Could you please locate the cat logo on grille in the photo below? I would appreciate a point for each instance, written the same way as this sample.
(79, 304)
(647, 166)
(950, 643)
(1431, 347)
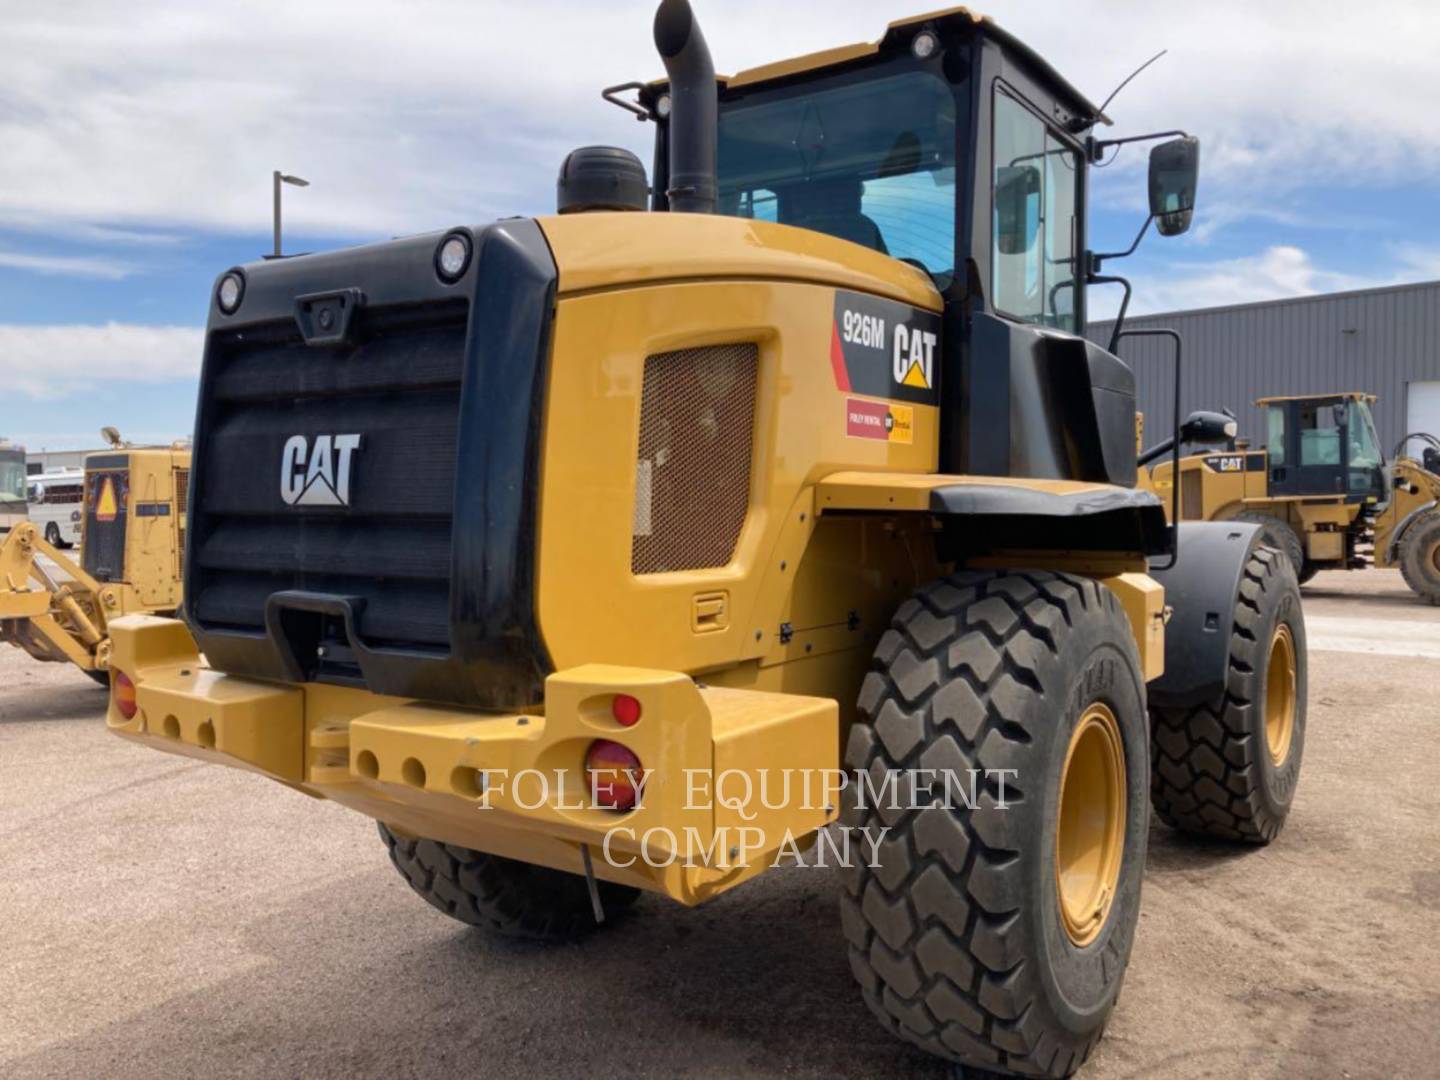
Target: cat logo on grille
(317, 475)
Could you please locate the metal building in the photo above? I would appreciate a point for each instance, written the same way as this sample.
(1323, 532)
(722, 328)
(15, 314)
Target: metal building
(1381, 341)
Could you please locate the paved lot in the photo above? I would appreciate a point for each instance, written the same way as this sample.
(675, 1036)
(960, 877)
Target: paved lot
(165, 918)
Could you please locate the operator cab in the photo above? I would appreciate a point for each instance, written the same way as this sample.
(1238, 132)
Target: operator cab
(951, 146)
(1324, 445)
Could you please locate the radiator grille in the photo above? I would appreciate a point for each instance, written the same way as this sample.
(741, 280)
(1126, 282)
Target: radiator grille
(182, 504)
(398, 383)
(692, 478)
(182, 491)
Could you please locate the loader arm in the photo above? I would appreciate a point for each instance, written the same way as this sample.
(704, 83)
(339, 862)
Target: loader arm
(52, 619)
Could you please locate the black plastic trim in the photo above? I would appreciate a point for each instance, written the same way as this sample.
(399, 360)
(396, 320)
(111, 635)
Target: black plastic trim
(996, 517)
(1201, 589)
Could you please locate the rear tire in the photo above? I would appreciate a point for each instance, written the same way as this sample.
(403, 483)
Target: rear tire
(512, 898)
(1420, 557)
(53, 537)
(1228, 768)
(1278, 535)
(969, 936)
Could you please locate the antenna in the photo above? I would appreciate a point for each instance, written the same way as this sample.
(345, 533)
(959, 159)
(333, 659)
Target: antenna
(1132, 75)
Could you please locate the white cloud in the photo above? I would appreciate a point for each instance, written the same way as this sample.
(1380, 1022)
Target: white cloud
(93, 266)
(413, 115)
(1279, 271)
(53, 361)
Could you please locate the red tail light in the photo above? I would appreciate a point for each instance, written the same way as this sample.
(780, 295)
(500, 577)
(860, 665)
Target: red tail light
(616, 775)
(122, 690)
(626, 710)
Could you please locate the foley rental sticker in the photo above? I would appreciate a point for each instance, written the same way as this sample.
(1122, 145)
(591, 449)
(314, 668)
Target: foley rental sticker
(885, 349)
(879, 420)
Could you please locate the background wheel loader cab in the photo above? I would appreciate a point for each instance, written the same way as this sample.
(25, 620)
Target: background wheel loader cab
(1321, 490)
(807, 466)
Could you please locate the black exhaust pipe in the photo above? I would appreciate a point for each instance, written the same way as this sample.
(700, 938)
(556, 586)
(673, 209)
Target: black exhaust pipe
(693, 108)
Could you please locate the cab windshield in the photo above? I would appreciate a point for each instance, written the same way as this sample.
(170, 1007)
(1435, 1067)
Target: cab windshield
(872, 162)
(1366, 461)
(12, 480)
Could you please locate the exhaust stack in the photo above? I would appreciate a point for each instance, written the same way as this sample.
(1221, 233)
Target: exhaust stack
(693, 108)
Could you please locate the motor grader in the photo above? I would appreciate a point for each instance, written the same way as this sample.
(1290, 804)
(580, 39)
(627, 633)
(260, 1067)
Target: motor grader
(133, 536)
(1321, 490)
(542, 541)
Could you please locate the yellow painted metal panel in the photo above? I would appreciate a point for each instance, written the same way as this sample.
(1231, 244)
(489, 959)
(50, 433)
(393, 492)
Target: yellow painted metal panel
(610, 250)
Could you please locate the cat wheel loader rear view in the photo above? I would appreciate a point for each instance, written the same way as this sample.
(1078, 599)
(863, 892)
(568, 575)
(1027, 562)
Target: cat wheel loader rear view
(1321, 490)
(133, 519)
(544, 542)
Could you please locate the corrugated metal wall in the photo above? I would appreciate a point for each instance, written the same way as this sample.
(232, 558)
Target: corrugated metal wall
(1375, 341)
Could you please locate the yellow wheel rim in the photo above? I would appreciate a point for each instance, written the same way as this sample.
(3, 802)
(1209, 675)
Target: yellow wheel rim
(1090, 836)
(1280, 695)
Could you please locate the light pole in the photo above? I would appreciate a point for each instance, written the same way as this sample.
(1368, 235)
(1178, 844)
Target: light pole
(278, 179)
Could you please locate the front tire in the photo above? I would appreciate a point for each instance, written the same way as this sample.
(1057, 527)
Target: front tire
(981, 933)
(1420, 557)
(1228, 767)
(508, 897)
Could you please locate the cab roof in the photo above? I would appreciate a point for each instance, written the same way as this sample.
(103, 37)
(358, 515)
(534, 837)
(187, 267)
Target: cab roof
(1358, 395)
(903, 29)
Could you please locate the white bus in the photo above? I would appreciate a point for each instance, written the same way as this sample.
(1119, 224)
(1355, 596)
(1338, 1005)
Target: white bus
(57, 505)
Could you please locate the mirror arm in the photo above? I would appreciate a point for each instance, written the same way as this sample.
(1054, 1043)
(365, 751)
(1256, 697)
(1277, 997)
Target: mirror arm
(1097, 259)
(1096, 147)
(1174, 439)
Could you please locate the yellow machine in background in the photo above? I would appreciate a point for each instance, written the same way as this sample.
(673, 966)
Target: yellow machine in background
(1322, 491)
(57, 609)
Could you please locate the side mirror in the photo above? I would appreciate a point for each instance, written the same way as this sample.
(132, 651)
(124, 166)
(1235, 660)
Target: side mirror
(1174, 174)
(1338, 412)
(1017, 208)
(1208, 428)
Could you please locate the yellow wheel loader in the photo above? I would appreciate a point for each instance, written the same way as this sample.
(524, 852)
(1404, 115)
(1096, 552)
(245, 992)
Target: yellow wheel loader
(1321, 490)
(629, 549)
(133, 535)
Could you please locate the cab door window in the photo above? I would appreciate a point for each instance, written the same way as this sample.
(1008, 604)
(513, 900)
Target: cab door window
(1320, 427)
(1275, 435)
(1034, 220)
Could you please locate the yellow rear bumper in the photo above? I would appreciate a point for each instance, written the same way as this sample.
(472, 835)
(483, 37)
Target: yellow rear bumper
(733, 779)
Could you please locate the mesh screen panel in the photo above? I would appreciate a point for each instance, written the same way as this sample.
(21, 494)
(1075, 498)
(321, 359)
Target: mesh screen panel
(692, 478)
(1191, 496)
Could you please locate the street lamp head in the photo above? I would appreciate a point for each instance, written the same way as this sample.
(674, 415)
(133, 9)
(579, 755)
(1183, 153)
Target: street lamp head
(296, 180)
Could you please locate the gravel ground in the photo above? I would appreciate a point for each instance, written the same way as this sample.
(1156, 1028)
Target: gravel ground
(168, 918)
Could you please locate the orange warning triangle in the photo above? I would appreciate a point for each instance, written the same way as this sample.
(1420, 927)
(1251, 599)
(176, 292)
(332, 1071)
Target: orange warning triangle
(106, 507)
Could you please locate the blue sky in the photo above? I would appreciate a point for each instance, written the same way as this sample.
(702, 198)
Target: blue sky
(140, 138)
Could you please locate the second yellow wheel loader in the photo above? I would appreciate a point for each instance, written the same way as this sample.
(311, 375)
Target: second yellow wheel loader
(1321, 489)
(133, 519)
(785, 471)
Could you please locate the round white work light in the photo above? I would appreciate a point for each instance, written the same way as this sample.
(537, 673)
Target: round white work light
(925, 45)
(662, 106)
(453, 257)
(229, 292)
